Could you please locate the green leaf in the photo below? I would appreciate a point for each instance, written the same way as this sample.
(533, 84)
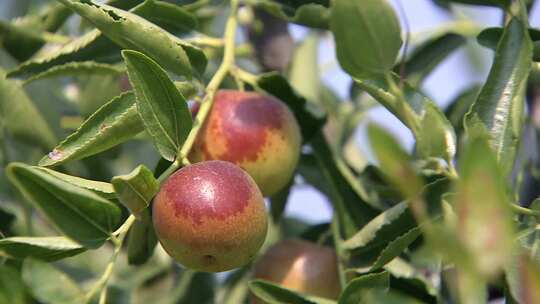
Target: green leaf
(392, 231)
(524, 255)
(372, 47)
(427, 56)
(141, 240)
(80, 214)
(497, 3)
(490, 37)
(136, 189)
(24, 36)
(94, 46)
(390, 222)
(169, 16)
(394, 162)
(460, 106)
(278, 202)
(434, 134)
(134, 32)
(274, 294)
(314, 15)
(20, 117)
(277, 85)
(77, 68)
(12, 289)
(357, 288)
(112, 124)
(162, 108)
(375, 236)
(49, 285)
(304, 71)
(484, 224)
(396, 247)
(499, 107)
(43, 248)
(103, 189)
(234, 288)
(90, 46)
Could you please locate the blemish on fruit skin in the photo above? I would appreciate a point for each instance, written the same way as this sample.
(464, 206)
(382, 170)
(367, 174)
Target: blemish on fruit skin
(214, 189)
(209, 259)
(56, 154)
(244, 123)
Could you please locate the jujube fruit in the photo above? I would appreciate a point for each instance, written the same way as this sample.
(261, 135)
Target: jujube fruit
(256, 132)
(210, 216)
(301, 266)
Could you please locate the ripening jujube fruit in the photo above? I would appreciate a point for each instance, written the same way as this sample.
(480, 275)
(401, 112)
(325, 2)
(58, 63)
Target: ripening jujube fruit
(301, 266)
(256, 132)
(210, 216)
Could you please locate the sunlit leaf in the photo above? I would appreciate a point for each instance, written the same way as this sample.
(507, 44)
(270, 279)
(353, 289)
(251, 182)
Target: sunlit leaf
(161, 107)
(80, 214)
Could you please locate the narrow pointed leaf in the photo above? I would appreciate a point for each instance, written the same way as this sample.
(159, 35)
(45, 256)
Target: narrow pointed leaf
(136, 189)
(391, 221)
(101, 188)
(24, 36)
(43, 248)
(50, 285)
(428, 56)
(114, 123)
(356, 289)
(434, 134)
(167, 15)
(484, 224)
(162, 108)
(497, 3)
(395, 162)
(80, 214)
(12, 289)
(314, 15)
(90, 46)
(304, 71)
(499, 107)
(275, 294)
(134, 32)
(372, 47)
(142, 240)
(77, 68)
(95, 46)
(20, 117)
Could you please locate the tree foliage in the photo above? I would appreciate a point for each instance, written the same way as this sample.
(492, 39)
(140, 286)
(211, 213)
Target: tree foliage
(95, 93)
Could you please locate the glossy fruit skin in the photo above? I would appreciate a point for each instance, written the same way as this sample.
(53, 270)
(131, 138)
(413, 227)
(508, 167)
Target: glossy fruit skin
(256, 132)
(210, 216)
(301, 266)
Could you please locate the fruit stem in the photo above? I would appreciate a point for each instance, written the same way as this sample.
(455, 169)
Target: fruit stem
(204, 40)
(206, 104)
(525, 211)
(117, 239)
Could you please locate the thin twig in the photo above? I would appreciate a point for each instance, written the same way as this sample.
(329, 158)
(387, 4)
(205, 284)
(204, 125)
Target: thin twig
(341, 258)
(206, 104)
(117, 238)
